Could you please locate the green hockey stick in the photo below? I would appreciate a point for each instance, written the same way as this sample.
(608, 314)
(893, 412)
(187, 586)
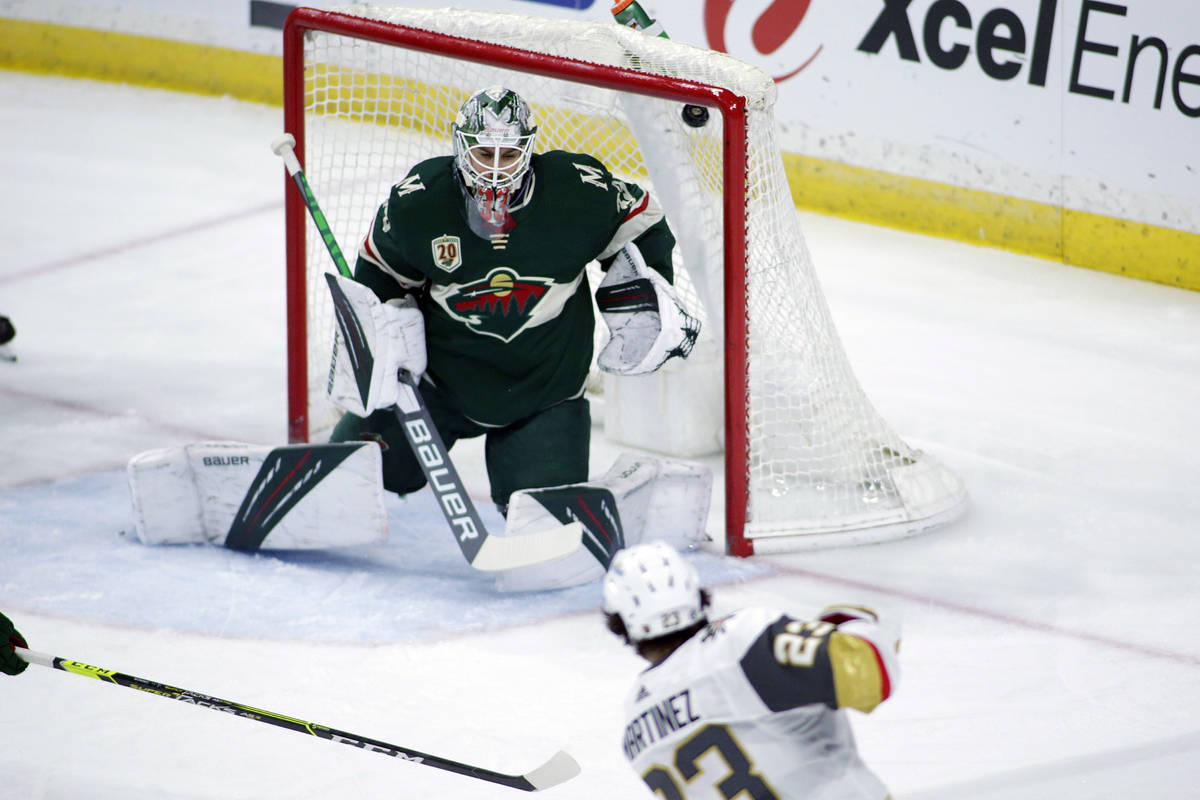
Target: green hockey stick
(559, 768)
(482, 550)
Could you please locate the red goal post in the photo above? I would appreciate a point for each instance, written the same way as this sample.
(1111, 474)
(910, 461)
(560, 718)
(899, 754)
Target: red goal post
(366, 82)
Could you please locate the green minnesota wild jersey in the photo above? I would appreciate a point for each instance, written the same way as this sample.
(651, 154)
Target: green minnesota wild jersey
(508, 320)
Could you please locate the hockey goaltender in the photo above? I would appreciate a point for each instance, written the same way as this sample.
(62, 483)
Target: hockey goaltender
(468, 314)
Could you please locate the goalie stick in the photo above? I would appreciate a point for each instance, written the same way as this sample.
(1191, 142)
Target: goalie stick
(558, 769)
(482, 550)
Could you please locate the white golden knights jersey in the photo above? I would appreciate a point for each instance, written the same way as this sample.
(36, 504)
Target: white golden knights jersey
(752, 708)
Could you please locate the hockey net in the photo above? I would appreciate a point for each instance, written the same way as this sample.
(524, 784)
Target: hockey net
(808, 461)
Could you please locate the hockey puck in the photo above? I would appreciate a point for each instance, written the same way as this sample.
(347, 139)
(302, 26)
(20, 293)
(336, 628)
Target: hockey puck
(7, 331)
(695, 116)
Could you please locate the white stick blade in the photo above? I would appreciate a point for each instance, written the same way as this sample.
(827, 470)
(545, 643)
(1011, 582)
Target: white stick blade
(559, 769)
(508, 552)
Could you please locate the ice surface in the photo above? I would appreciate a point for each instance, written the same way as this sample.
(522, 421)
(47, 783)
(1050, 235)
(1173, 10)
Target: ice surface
(1051, 645)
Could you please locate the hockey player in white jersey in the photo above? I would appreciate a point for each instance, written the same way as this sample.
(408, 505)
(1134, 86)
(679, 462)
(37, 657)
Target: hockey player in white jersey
(751, 705)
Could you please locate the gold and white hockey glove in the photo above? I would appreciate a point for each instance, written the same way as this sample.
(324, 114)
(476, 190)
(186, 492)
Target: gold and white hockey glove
(864, 622)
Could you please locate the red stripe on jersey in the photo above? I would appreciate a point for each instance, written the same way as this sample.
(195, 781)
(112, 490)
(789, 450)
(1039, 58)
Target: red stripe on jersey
(641, 207)
(371, 250)
(885, 680)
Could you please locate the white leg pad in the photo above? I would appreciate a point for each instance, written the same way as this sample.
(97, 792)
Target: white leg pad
(655, 498)
(166, 505)
(249, 496)
(661, 499)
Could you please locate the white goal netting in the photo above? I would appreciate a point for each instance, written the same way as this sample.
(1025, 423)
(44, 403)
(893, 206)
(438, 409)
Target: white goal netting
(819, 466)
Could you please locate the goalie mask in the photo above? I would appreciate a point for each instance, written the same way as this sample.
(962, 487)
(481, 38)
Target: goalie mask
(654, 591)
(493, 148)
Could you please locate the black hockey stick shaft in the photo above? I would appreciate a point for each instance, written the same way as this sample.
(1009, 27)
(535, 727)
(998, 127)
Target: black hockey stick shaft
(482, 550)
(443, 479)
(559, 768)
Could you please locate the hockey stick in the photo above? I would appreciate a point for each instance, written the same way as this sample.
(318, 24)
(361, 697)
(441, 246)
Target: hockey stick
(561, 767)
(482, 550)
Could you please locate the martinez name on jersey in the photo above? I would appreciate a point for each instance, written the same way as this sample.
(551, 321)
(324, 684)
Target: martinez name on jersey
(766, 692)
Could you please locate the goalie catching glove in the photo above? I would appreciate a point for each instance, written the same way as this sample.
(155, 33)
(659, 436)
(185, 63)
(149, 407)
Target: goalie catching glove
(374, 342)
(647, 324)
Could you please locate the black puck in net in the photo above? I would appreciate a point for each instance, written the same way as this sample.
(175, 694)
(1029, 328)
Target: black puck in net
(695, 116)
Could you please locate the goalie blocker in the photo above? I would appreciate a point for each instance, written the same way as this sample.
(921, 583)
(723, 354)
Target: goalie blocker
(375, 341)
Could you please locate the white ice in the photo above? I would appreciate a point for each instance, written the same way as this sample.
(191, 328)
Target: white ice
(1051, 643)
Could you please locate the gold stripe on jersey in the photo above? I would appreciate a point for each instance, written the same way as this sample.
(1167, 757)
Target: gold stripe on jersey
(858, 677)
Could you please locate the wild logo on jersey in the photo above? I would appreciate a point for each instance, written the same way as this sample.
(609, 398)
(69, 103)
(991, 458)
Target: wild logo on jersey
(500, 304)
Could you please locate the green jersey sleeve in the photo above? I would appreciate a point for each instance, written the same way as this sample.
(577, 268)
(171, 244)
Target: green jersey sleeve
(636, 217)
(383, 264)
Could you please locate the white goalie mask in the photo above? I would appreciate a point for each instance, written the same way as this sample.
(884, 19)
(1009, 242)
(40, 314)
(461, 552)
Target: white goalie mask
(654, 591)
(493, 149)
